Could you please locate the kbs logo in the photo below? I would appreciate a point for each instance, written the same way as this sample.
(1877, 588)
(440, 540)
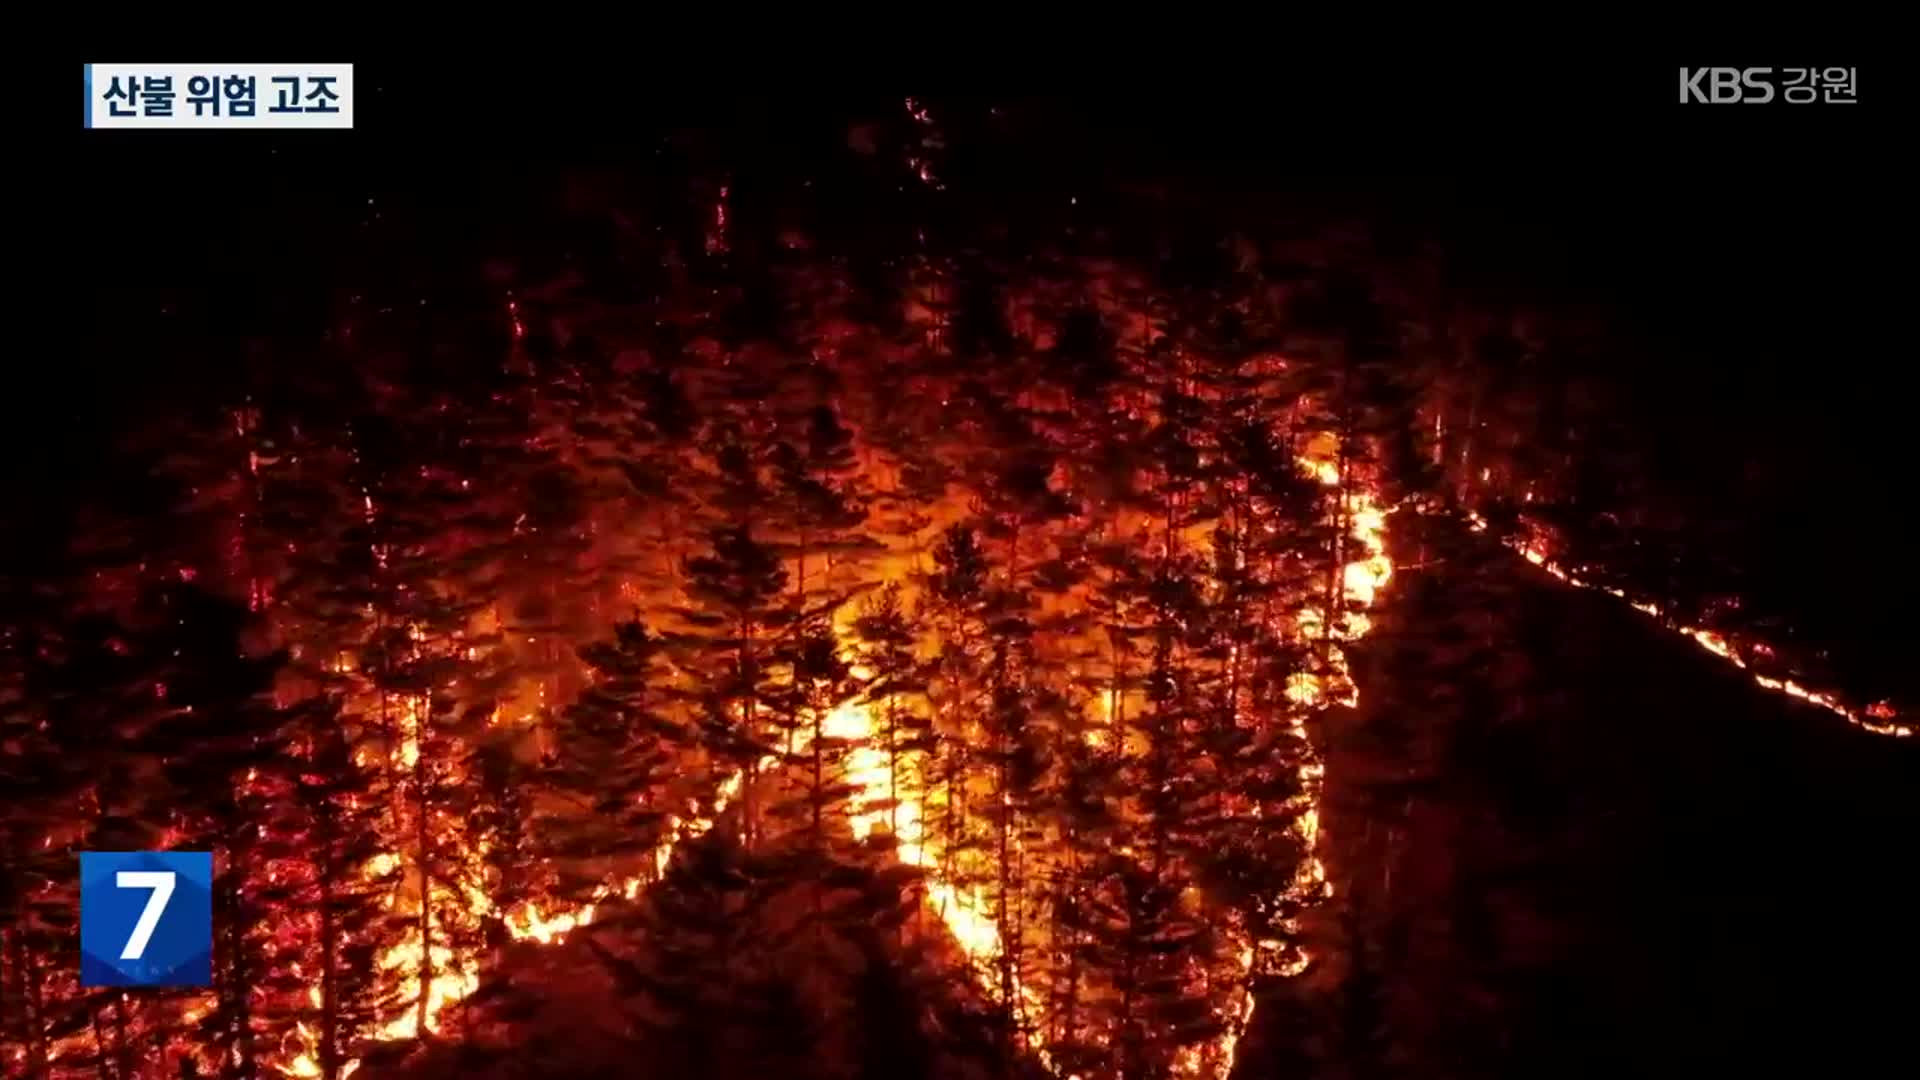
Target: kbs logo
(146, 918)
(1755, 86)
(1726, 86)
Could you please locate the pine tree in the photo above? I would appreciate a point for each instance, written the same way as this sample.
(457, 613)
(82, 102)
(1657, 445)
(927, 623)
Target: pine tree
(840, 896)
(893, 1045)
(956, 688)
(816, 489)
(513, 871)
(1168, 797)
(982, 672)
(1150, 955)
(1083, 357)
(979, 330)
(733, 633)
(422, 560)
(686, 960)
(1089, 830)
(616, 756)
(47, 770)
(888, 637)
(133, 732)
(820, 683)
(227, 729)
(1267, 575)
(324, 856)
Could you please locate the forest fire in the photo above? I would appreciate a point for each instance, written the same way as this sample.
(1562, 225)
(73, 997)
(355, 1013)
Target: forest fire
(857, 586)
(892, 796)
(1878, 718)
(1001, 684)
(775, 606)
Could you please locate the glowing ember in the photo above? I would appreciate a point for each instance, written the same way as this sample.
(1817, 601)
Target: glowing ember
(717, 229)
(919, 159)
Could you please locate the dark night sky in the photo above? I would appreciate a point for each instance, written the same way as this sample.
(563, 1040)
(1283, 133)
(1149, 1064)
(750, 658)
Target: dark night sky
(1736, 247)
(1739, 235)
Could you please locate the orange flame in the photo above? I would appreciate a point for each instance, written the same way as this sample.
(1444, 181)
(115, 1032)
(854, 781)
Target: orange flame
(1877, 718)
(1360, 582)
(966, 913)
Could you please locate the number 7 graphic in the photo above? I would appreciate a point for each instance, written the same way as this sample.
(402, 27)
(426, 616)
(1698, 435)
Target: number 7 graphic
(161, 882)
(146, 918)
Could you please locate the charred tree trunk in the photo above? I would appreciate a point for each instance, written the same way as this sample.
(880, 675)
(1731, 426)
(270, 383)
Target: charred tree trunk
(1066, 938)
(122, 1052)
(748, 718)
(1008, 959)
(423, 846)
(329, 957)
(239, 980)
(102, 1062)
(33, 1033)
(1130, 1034)
(819, 780)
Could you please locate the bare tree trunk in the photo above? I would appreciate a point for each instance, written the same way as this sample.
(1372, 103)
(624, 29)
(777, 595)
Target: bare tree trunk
(1237, 524)
(893, 771)
(102, 1062)
(1130, 1034)
(329, 1004)
(122, 1052)
(12, 1026)
(1007, 959)
(33, 1033)
(1068, 1027)
(423, 841)
(818, 799)
(748, 719)
(240, 983)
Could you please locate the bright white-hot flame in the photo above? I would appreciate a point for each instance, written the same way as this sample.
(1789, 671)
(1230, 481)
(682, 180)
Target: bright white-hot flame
(410, 732)
(450, 983)
(966, 914)
(531, 925)
(1361, 580)
(306, 1064)
(308, 1061)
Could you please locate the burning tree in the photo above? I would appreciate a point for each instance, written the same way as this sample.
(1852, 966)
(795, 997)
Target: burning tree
(815, 631)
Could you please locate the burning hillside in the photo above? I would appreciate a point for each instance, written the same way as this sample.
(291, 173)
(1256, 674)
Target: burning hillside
(773, 621)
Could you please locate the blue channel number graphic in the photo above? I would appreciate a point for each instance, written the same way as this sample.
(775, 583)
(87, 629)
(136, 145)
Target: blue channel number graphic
(146, 918)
